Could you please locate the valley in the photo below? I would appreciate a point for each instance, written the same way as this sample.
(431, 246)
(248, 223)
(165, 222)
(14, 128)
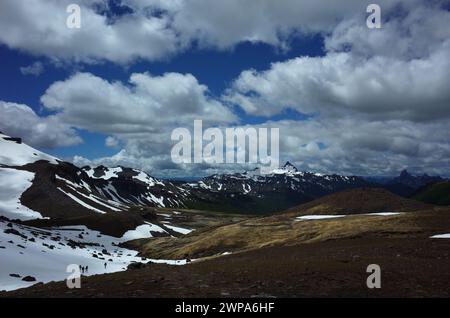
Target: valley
(286, 234)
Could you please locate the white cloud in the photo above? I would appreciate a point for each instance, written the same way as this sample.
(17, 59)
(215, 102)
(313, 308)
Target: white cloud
(157, 29)
(349, 147)
(19, 120)
(140, 113)
(352, 146)
(39, 27)
(223, 24)
(400, 71)
(380, 87)
(147, 104)
(417, 34)
(34, 69)
(111, 142)
(379, 97)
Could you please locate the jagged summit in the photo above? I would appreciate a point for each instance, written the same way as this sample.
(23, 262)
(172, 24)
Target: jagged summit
(404, 173)
(406, 183)
(290, 167)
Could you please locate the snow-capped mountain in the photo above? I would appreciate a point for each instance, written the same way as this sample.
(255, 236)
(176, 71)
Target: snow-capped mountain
(284, 187)
(36, 185)
(53, 214)
(15, 153)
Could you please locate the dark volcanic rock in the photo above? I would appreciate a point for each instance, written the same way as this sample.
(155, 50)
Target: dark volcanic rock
(15, 232)
(29, 279)
(134, 266)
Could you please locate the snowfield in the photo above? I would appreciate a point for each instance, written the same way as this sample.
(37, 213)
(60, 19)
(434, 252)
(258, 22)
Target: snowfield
(178, 229)
(318, 217)
(15, 154)
(324, 217)
(12, 184)
(445, 236)
(45, 254)
(142, 231)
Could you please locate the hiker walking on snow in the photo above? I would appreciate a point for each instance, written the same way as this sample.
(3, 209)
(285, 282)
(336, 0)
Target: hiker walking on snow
(105, 265)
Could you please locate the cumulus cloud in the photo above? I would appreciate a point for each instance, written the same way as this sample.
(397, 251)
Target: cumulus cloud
(39, 27)
(223, 24)
(378, 98)
(111, 142)
(412, 33)
(146, 104)
(155, 29)
(344, 146)
(399, 71)
(34, 69)
(140, 113)
(351, 146)
(19, 120)
(380, 87)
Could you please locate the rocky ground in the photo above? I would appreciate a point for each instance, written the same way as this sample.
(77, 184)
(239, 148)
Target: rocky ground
(336, 268)
(291, 254)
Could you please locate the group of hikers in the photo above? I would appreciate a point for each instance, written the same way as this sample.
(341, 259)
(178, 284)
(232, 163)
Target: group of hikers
(85, 269)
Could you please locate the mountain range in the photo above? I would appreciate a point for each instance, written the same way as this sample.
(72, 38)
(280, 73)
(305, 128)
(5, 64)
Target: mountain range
(50, 188)
(53, 213)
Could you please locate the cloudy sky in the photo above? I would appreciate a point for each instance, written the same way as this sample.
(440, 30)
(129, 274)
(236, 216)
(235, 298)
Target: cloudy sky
(347, 99)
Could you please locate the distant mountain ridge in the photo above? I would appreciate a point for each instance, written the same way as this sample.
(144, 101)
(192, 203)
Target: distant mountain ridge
(284, 187)
(406, 184)
(358, 201)
(60, 189)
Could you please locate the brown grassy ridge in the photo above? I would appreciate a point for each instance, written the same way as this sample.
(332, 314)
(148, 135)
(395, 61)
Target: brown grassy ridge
(357, 201)
(285, 230)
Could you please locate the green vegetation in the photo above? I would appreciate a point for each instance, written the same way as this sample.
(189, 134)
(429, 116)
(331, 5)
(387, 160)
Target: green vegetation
(436, 193)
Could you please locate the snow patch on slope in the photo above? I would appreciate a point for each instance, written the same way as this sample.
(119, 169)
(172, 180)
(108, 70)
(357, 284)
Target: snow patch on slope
(178, 229)
(19, 154)
(142, 231)
(319, 217)
(81, 202)
(45, 254)
(108, 173)
(445, 236)
(324, 217)
(12, 184)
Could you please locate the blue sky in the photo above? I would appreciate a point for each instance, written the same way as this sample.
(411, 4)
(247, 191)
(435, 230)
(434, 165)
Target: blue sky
(216, 69)
(347, 99)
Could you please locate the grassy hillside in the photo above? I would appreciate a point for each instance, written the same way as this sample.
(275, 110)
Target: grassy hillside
(358, 201)
(436, 193)
(286, 229)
